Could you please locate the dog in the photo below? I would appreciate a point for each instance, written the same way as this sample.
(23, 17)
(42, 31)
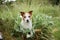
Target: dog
(26, 23)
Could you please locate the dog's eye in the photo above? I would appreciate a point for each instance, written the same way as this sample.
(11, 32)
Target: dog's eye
(29, 16)
(24, 16)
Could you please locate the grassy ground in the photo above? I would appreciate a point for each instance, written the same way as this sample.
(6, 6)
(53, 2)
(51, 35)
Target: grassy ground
(12, 12)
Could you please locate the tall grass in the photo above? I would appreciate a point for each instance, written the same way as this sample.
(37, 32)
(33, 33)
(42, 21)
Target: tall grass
(43, 14)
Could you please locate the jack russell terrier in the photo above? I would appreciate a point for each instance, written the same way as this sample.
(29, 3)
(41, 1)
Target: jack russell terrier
(26, 24)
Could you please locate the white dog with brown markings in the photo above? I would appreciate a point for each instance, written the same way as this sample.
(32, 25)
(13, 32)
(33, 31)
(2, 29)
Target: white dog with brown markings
(26, 23)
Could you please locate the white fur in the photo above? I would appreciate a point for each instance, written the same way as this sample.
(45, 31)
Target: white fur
(26, 25)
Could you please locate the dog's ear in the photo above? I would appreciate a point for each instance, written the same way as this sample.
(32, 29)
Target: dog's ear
(22, 13)
(30, 12)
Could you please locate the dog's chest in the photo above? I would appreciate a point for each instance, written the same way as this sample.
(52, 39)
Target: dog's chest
(26, 25)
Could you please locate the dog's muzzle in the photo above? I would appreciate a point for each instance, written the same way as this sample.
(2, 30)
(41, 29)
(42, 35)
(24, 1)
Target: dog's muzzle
(27, 21)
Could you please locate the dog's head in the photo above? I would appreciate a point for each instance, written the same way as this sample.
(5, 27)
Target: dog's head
(26, 16)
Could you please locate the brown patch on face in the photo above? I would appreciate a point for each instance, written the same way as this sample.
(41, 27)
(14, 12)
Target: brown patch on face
(30, 12)
(30, 16)
(24, 17)
(22, 13)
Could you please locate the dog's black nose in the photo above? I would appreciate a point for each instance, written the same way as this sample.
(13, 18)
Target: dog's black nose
(27, 20)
